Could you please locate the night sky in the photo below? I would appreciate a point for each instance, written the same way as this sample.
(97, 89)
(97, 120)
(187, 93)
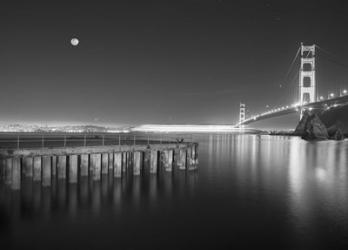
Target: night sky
(179, 62)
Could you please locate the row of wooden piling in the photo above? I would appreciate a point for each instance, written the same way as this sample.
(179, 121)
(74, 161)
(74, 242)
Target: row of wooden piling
(43, 167)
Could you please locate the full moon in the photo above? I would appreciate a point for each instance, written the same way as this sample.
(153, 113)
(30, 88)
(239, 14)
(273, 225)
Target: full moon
(74, 41)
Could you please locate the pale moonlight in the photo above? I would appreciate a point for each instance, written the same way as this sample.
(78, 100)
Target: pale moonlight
(74, 41)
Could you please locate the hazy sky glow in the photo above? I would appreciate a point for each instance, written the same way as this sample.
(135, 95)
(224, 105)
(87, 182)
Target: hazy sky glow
(181, 62)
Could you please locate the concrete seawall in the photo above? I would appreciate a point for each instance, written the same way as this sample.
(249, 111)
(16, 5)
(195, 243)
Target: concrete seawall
(71, 163)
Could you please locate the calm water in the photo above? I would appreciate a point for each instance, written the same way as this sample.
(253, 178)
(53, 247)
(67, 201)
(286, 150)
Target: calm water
(249, 192)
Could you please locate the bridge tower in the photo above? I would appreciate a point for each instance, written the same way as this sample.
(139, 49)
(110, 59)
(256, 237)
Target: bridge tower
(242, 110)
(307, 75)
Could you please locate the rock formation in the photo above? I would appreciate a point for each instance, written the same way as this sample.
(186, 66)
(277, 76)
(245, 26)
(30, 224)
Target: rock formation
(328, 124)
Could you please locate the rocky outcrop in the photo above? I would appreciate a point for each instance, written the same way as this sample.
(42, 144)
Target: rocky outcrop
(328, 124)
(312, 128)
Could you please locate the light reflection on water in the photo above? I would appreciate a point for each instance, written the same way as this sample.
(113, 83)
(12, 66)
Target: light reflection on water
(250, 191)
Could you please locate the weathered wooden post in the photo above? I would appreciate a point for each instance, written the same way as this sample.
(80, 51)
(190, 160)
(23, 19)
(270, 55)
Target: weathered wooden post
(168, 160)
(189, 161)
(96, 166)
(46, 171)
(8, 171)
(153, 161)
(128, 161)
(73, 168)
(54, 165)
(28, 166)
(182, 159)
(37, 168)
(124, 162)
(118, 164)
(194, 155)
(61, 167)
(16, 173)
(105, 162)
(137, 163)
(111, 162)
(84, 165)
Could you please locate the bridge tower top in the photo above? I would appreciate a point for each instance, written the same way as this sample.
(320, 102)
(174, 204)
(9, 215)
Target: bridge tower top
(307, 81)
(309, 49)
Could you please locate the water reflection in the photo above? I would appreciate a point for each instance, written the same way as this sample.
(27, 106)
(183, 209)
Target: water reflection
(265, 190)
(93, 197)
(309, 179)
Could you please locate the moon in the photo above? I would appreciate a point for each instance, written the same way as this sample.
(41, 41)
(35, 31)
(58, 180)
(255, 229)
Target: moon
(74, 41)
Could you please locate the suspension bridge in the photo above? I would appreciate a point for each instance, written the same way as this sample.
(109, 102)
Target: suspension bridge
(308, 98)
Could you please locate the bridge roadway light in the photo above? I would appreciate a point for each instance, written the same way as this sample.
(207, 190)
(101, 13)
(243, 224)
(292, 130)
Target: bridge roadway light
(321, 98)
(344, 92)
(332, 95)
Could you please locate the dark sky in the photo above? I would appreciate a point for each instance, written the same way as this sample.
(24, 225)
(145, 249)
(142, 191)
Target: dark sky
(163, 61)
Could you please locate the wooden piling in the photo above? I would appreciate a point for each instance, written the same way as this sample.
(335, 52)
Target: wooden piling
(84, 164)
(37, 168)
(16, 173)
(28, 166)
(8, 171)
(136, 163)
(189, 161)
(118, 165)
(182, 159)
(111, 162)
(46, 171)
(105, 163)
(54, 165)
(96, 166)
(153, 161)
(61, 167)
(124, 162)
(73, 168)
(168, 160)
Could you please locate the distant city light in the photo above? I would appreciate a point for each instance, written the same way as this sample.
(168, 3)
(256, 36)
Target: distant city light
(321, 98)
(185, 128)
(332, 95)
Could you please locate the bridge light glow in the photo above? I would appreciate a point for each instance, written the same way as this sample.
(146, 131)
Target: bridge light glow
(321, 98)
(344, 92)
(332, 95)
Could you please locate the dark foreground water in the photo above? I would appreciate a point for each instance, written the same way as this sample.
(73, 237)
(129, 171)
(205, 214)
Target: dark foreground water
(249, 192)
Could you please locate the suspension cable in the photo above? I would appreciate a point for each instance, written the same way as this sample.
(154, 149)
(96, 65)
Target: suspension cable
(333, 59)
(292, 65)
